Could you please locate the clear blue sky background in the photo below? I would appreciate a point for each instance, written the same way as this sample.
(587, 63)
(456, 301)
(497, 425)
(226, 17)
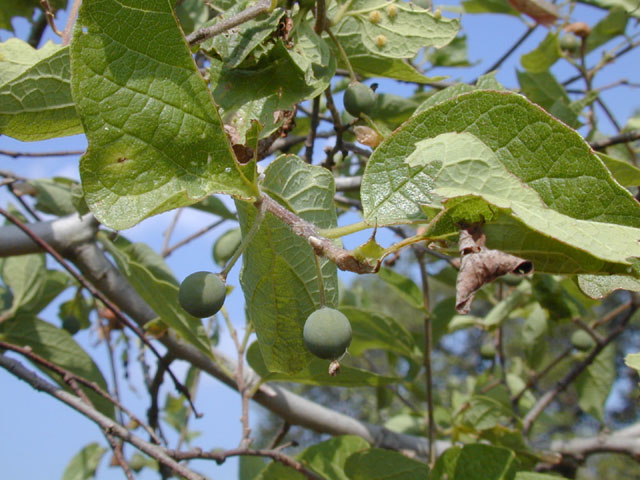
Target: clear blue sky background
(38, 436)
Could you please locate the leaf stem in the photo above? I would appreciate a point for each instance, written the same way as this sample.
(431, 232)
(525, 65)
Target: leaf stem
(255, 226)
(323, 299)
(338, 232)
(343, 55)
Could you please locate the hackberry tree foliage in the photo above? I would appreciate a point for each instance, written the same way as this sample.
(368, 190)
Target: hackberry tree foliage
(494, 319)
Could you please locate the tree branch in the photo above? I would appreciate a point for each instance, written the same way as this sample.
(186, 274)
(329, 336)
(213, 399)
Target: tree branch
(224, 25)
(105, 423)
(292, 408)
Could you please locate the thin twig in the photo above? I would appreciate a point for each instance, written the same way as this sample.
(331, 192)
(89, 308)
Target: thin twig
(311, 137)
(284, 429)
(167, 234)
(67, 153)
(539, 375)
(66, 374)
(224, 25)
(50, 16)
(625, 137)
(544, 401)
(95, 292)
(513, 48)
(276, 455)
(202, 231)
(428, 346)
(105, 423)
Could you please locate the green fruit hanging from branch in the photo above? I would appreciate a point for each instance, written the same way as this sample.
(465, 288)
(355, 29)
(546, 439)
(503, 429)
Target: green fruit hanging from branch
(202, 294)
(359, 99)
(327, 333)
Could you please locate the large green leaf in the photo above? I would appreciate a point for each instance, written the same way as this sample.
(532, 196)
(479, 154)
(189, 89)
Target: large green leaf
(624, 172)
(403, 286)
(326, 459)
(379, 464)
(25, 276)
(543, 56)
(57, 346)
(405, 32)
(152, 279)
(156, 141)
(536, 184)
(237, 44)
(614, 24)
(35, 92)
(594, 384)
(485, 462)
(316, 372)
(84, 464)
(279, 277)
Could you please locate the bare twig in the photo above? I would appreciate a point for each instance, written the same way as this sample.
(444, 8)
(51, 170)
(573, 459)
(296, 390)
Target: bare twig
(169, 231)
(48, 12)
(284, 429)
(428, 345)
(104, 422)
(276, 455)
(67, 153)
(311, 137)
(544, 401)
(193, 236)
(625, 137)
(513, 48)
(95, 292)
(224, 25)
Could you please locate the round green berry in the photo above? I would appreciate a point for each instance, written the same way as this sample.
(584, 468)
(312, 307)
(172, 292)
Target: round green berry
(582, 341)
(202, 294)
(358, 99)
(327, 333)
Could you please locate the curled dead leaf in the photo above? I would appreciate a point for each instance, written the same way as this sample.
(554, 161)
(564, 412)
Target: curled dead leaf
(480, 265)
(542, 11)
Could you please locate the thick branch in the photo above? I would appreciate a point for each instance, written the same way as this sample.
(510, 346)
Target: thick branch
(292, 408)
(626, 441)
(625, 137)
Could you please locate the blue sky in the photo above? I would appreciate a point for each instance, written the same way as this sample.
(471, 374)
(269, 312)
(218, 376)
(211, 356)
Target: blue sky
(38, 435)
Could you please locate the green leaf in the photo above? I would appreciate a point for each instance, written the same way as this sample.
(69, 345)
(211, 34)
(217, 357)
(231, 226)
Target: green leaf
(215, 206)
(84, 464)
(624, 172)
(156, 141)
(543, 56)
(35, 92)
(632, 360)
(629, 6)
(614, 24)
(484, 413)
(25, 277)
(530, 202)
(501, 311)
(54, 195)
(150, 276)
(405, 33)
(373, 329)
(316, 372)
(57, 346)
(403, 286)
(536, 476)
(485, 462)
(327, 459)
(489, 6)
(594, 384)
(295, 74)
(543, 88)
(445, 466)
(249, 467)
(601, 286)
(392, 109)
(279, 278)
(379, 464)
(452, 55)
(235, 45)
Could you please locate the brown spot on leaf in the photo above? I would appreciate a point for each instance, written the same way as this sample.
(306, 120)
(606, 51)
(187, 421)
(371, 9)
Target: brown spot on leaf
(480, 265)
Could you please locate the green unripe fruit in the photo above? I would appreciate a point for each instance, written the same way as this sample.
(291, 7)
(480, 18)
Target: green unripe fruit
(226, 245)
(570, 43)
(358, 98)
(488, 351)
(202, 294)
(582, 341)
(327, 333)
